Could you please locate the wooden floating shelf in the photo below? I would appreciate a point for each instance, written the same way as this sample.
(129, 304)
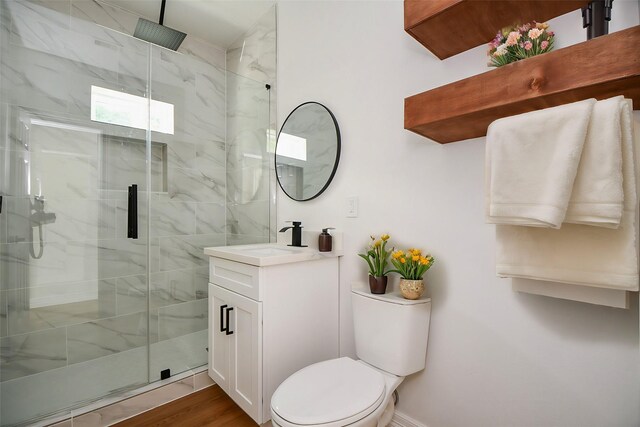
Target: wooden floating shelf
(448, 27)
(599, 68)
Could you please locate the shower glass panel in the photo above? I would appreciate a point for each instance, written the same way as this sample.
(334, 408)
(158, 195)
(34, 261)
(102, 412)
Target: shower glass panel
(94, 299)
(73, 286)
(189, 213)
(250, 149)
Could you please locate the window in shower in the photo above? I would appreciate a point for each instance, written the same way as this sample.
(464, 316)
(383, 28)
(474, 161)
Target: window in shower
(119, 108)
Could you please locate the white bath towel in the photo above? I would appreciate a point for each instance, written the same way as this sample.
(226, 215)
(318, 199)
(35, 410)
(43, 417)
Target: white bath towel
(531, 164)
(597, 196)
(580, 254)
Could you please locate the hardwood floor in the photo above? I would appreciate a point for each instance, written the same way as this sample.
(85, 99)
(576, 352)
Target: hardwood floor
(209, 407)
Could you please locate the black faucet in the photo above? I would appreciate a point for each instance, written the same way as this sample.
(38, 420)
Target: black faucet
(296, 233)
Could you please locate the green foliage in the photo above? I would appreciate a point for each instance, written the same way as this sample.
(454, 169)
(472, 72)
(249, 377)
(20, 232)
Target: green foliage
(377, 256)
(411, 265)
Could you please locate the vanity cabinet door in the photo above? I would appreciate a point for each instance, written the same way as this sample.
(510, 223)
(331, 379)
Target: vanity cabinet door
(245, 355)
(219, 363)
(235, 361)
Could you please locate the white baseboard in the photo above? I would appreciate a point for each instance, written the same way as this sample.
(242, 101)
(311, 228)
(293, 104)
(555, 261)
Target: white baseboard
(401, 420)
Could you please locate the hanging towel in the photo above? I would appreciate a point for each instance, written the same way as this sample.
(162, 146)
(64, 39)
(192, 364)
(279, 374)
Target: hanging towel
(580, 254)
(531, 164)
(597, 196)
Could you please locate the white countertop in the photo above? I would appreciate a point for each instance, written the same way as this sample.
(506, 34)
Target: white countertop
(264, 254)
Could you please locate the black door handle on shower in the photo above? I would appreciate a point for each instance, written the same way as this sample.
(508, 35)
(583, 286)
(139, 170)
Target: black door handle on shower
(229, 331)
(222, 328)
(132, 212)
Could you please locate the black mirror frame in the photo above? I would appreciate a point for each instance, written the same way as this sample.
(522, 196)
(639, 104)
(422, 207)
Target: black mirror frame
(335, 165)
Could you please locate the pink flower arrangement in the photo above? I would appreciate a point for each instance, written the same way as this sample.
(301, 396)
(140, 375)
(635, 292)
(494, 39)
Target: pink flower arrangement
(520, 42)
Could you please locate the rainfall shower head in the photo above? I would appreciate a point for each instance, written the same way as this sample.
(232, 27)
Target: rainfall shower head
(158, 33)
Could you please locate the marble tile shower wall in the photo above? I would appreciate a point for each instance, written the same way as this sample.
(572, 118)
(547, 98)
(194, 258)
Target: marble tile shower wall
(81, 309)
(251, 130)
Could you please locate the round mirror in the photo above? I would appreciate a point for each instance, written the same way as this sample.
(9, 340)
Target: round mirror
(307, 151)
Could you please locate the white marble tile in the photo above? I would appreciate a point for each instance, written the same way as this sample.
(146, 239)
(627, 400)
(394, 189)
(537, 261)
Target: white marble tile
(184, 252)
(191, 185)
(249, 219)
(179, 354)
(32, 21)
(210, 155)
(248, 184)
(203, 51)
(75, 219)
(169, 218)
(202, 282)
(30, 82)
(28, 354)
(182, 319)
(124, 163)
(33, 397)
(209, 104)
(113, 374)
(16, 213)
(79, 180)
(210, 218)
(106, 258)
(45, 307)
(105, 15)
(61, 6)
(173, 287)
(181, 154)
(22, 270)
(154, 254)
(172, 69)
(202, 380)
(92, 340)
(3, 314)
(43, 394)
(133, 61)
(254, 54)
(131, 294)
(247, 114)
(243, 239)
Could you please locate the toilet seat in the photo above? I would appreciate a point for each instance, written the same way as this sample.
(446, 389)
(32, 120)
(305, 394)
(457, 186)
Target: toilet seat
(334, 392)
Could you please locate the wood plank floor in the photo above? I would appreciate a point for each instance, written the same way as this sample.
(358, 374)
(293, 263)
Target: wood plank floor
(209, 407)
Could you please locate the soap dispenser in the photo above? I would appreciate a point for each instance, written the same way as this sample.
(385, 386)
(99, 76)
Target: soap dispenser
(325, 241)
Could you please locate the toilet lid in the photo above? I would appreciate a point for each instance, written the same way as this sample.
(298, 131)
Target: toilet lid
(329, 391)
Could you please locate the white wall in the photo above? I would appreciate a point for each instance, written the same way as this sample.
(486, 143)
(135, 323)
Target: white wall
(495, 357)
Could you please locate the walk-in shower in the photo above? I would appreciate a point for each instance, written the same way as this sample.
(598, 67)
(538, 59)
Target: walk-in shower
(118, 164)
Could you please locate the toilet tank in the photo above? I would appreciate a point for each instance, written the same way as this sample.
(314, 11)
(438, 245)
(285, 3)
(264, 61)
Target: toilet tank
(391, 332)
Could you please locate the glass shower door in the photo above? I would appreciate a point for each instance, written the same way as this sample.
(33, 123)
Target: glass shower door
(74, 151)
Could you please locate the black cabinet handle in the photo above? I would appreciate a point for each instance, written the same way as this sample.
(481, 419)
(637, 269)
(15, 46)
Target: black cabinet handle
(0, 204)
(132, 212)
(229, 331)
(222, 328)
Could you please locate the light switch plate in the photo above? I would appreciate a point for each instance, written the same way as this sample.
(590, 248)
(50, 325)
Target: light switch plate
(352, 207)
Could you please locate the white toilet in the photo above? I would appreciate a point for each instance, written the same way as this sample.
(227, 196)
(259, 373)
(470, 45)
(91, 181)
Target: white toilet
(391, 341)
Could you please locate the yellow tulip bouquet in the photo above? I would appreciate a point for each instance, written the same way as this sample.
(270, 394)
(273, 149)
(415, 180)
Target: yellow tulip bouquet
(377, 256)
(411, 264)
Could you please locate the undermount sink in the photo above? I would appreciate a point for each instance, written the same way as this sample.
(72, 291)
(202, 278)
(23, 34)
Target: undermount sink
(266, 254)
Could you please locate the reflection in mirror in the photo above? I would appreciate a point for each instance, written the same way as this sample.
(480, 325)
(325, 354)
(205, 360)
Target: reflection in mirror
(307, 151)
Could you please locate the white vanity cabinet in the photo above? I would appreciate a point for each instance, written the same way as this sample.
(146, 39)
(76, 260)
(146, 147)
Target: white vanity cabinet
(266, 322)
